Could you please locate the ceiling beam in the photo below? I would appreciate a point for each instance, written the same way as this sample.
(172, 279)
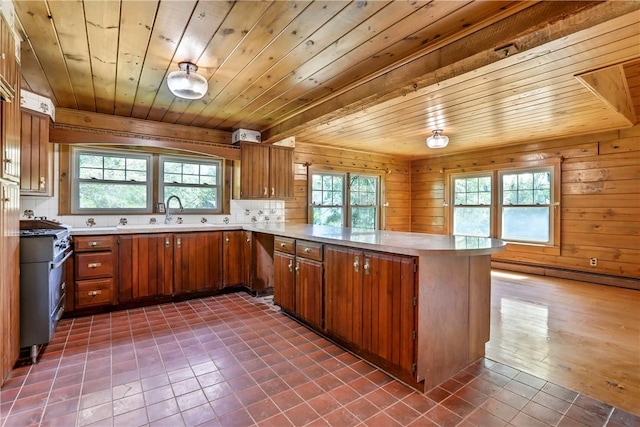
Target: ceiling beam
(535, 26)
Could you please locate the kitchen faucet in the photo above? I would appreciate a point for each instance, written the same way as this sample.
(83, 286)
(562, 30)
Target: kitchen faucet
(169, 217)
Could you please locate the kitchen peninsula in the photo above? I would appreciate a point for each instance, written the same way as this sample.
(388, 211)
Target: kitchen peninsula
(417, 305)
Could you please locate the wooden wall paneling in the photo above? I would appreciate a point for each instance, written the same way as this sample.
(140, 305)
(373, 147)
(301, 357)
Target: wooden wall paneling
(600, 199)
(396, 175)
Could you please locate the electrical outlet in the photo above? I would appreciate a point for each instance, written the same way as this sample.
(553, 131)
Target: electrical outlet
(593, 262)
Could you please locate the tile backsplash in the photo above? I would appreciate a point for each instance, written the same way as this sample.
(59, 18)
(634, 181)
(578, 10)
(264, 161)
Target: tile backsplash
(242, 211)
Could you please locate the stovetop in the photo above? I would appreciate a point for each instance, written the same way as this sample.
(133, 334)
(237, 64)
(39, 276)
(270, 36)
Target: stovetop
(42, 227)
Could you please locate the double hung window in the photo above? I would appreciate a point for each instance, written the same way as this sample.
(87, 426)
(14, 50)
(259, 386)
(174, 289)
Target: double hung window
(516, 205)
(111, 182)
(196, 182)
(345, 199)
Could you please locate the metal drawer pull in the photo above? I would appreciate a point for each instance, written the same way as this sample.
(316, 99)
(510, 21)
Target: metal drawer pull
(273, 191)
(366, 266)
(356, 265)
(248, 240)
(226, 240)
(307, 250)
(291, 265)
(283, 245)
(167, 242)
(264, 193)
(297, 268)
(94, 293)
(94, 264)
(93, 244)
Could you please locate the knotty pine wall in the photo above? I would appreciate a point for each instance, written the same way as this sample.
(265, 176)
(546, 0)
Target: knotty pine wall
(396, 176)
(600, 201)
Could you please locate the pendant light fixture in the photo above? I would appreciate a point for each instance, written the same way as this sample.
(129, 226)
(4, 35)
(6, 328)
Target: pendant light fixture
(186, 83)
(437, 140)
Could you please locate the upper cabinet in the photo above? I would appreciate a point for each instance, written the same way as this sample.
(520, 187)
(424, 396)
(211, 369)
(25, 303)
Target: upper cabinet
(266, 172)
(8, 69)
(36, 162)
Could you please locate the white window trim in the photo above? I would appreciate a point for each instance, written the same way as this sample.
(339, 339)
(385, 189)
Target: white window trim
(75, 181)
(192, 160)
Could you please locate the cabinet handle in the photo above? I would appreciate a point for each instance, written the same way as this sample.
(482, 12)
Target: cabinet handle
(291, 265)
(226, 239)
(248, 240)
(356, 264)
(94, 264)
(179, 242)
(283, 245)
(273, 191)
(167, 242)
(307, 250)
(42, 182)
(264, 193)
(94, 293)
(297, 267)
(366, 266)
(94, 244)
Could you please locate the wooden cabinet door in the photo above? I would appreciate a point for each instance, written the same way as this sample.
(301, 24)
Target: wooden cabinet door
(283, 281)
(234, 270)
(280, 173)
(9, 279)
(254, 174)
(10, 141)
(8, 63)
(308, 292)
(388, 308)
(145, 265)
(197, 261)
(35, 156)
(343, 293)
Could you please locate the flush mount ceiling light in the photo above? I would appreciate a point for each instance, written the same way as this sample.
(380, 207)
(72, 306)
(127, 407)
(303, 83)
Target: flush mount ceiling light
(437, 140)
(186, 83)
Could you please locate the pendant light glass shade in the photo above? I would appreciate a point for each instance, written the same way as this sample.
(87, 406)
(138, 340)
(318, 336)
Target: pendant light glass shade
(437, 140)
(186, 83)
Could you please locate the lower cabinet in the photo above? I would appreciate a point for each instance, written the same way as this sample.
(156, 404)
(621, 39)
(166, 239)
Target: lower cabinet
(371, 306)
(94, 271)
(237, 249)
(283, 280)
(145, 264)
(197, 262)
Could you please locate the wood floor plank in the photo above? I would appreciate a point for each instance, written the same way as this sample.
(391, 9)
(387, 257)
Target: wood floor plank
(579, 335)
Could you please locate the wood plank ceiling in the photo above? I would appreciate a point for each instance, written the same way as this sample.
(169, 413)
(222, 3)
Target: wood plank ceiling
(367, 75)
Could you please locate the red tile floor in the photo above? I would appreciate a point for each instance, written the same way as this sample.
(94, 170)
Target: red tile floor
(235, 360)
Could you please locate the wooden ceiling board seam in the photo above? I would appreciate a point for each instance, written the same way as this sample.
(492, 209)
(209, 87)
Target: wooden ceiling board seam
(271, 24)
(272, 65)
(75, 48)
(362, 95)
(204, 23)
(168, 28)
(136, 22)
(103, 22)
(34, 18)
(33, 76)
(241, 18)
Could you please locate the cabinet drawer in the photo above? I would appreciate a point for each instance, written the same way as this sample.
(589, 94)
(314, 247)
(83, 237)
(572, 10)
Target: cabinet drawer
(90, 293)
(310, 250)
(284, 244)
(93, 243)
(90, 265)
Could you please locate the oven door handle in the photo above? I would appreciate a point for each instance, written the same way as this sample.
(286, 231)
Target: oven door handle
(60, 263)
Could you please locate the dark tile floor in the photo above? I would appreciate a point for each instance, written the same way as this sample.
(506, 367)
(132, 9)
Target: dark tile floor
(235, 360)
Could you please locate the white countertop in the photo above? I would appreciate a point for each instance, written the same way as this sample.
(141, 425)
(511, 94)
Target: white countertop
(386, 241)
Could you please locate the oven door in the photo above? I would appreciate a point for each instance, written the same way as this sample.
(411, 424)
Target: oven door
(57, 289)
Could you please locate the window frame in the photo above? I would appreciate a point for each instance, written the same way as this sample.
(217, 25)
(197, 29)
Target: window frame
(553, 165)
(491, 205)
(347, 207)
(199, 161)
(76, 152)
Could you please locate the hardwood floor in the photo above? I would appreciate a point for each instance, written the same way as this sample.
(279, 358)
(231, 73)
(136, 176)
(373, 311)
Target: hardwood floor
(582, 336)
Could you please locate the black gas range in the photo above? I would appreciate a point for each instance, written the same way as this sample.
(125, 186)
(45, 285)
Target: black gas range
(45, 246)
